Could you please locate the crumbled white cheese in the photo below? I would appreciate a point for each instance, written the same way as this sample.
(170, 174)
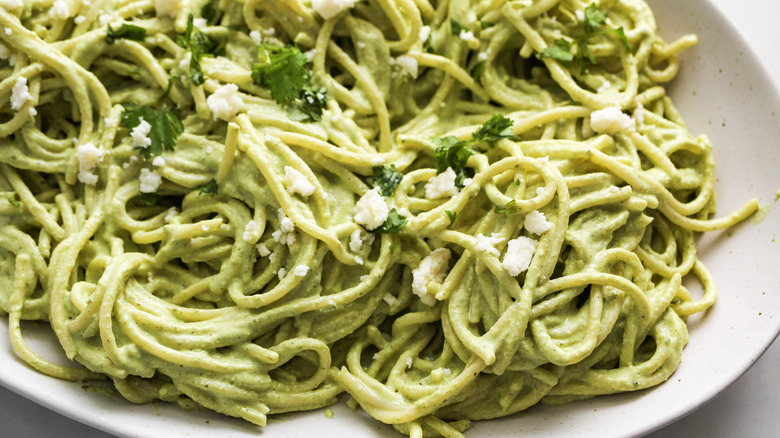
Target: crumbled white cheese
(580, 15)
(408, 65)
(301, 270)
(140, 134)
(158, 161)
(536, 222)
(150, 181)
(359, 261)
(466, 182)
(59, 9)
(184, 64)
(225, 102)
(209, 149)
(330, 8)
(263, 250)
(431, 269)
(371, 210)
(256, 37)
(20, 94)
(252, 232)
(170, 214)
(466, 35)
(281, 273)
(425, 32)
(408, 362)
(364, 278)
(285, 223)
(278, 235)
(442, 185)
(639, 113)
(79, 19)
(605, 84)
(610, 120)
(297, 182)
(200, 22)
(482, 56)
(355, 241)
(377, 160)
(310, 54)
(390, 299)
(488, 244)
(89, 157)
(519, 253)
(110, 122)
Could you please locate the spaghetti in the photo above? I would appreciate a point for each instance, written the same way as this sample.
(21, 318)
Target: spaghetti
(449, 210)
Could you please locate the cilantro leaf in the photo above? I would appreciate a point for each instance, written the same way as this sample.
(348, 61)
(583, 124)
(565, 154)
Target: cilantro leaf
(456, 28)
(208, 10)
(451, 152)
(148, 199)
(199, 45)
(15, 203)
(452, 216)
(282, 70)
(166, 127)
(477, 70)
(127, 31)
(394, 223)
(386, 178)
(308, 107)
(509, 208)
(559, 51)
(496, 128)
(594, 18)
(210, 188)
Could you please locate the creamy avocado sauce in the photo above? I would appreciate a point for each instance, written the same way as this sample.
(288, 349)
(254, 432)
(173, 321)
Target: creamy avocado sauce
(451, 211)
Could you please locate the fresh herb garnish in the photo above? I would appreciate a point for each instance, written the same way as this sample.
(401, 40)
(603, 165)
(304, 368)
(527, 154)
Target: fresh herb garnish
(477, 70)
(509, 208)
(496, 128)
(127, 31)
(15, 203)
(456, 28)
(309, 106)
(208, 11)
(148, 199)
(452, 216)
(199, 45)
(166, 127)
(386, 178)
(282, 70)
(394, 223)
(593, 24)
(210, 188)
(486, 24)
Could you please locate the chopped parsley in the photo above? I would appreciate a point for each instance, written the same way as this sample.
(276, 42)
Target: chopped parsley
(210, 188)
(394, 223)
(593, 24)
(15, 203)
(127, 31)
(282, 70)
(386, 178)
(166, 127)
(199, 45)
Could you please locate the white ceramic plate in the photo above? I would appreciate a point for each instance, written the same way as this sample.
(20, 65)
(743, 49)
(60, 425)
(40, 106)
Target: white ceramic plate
(723, 92)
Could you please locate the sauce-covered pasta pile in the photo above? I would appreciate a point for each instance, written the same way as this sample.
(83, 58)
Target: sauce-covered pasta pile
(449, 210)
